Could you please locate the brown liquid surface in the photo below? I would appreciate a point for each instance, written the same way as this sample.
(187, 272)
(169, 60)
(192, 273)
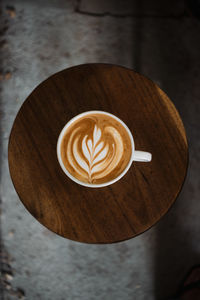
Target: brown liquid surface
(96, 148)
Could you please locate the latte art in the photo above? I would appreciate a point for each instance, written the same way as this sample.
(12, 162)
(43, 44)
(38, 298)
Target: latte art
(96, 148)
(98, 157)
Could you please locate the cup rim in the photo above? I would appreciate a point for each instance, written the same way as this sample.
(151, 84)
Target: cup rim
(62, 164)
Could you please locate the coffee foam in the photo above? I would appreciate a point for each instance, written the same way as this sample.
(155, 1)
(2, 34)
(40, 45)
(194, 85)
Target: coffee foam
(96, 148)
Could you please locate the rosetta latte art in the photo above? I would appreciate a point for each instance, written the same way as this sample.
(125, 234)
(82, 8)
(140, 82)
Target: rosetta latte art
(99, 158)
(95, 150)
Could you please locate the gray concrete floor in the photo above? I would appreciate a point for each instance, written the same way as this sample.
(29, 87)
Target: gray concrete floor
(39, 38)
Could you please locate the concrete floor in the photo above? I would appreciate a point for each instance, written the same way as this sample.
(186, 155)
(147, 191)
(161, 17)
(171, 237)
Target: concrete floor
(39, 38)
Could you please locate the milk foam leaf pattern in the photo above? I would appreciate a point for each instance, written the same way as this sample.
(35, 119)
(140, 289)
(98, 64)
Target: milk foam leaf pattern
(93, 151)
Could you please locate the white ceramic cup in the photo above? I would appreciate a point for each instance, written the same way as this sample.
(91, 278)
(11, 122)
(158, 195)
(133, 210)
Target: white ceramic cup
(136, 155)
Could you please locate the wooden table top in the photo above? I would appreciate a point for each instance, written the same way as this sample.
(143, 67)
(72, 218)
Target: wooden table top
(124, 209)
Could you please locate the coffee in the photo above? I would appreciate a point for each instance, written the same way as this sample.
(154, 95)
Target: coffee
(96, 148)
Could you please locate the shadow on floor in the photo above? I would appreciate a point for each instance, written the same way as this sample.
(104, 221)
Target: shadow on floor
(177, 247)
(174, 41)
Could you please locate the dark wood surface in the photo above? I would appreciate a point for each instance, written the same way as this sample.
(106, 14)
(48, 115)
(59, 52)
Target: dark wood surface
(124, 209)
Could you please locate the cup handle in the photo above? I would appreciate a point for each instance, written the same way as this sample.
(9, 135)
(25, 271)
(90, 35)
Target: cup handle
(142, 156)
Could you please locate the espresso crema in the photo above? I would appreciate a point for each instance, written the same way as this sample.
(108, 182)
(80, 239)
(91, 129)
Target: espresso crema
(96, 148)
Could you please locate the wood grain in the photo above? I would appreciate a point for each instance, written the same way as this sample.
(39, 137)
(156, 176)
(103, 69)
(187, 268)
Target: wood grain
(124, 209)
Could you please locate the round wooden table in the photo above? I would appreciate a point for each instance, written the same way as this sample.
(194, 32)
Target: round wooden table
(131, 205)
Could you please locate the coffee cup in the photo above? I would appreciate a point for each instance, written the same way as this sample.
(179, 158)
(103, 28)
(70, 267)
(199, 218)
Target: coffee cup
(96, 149)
